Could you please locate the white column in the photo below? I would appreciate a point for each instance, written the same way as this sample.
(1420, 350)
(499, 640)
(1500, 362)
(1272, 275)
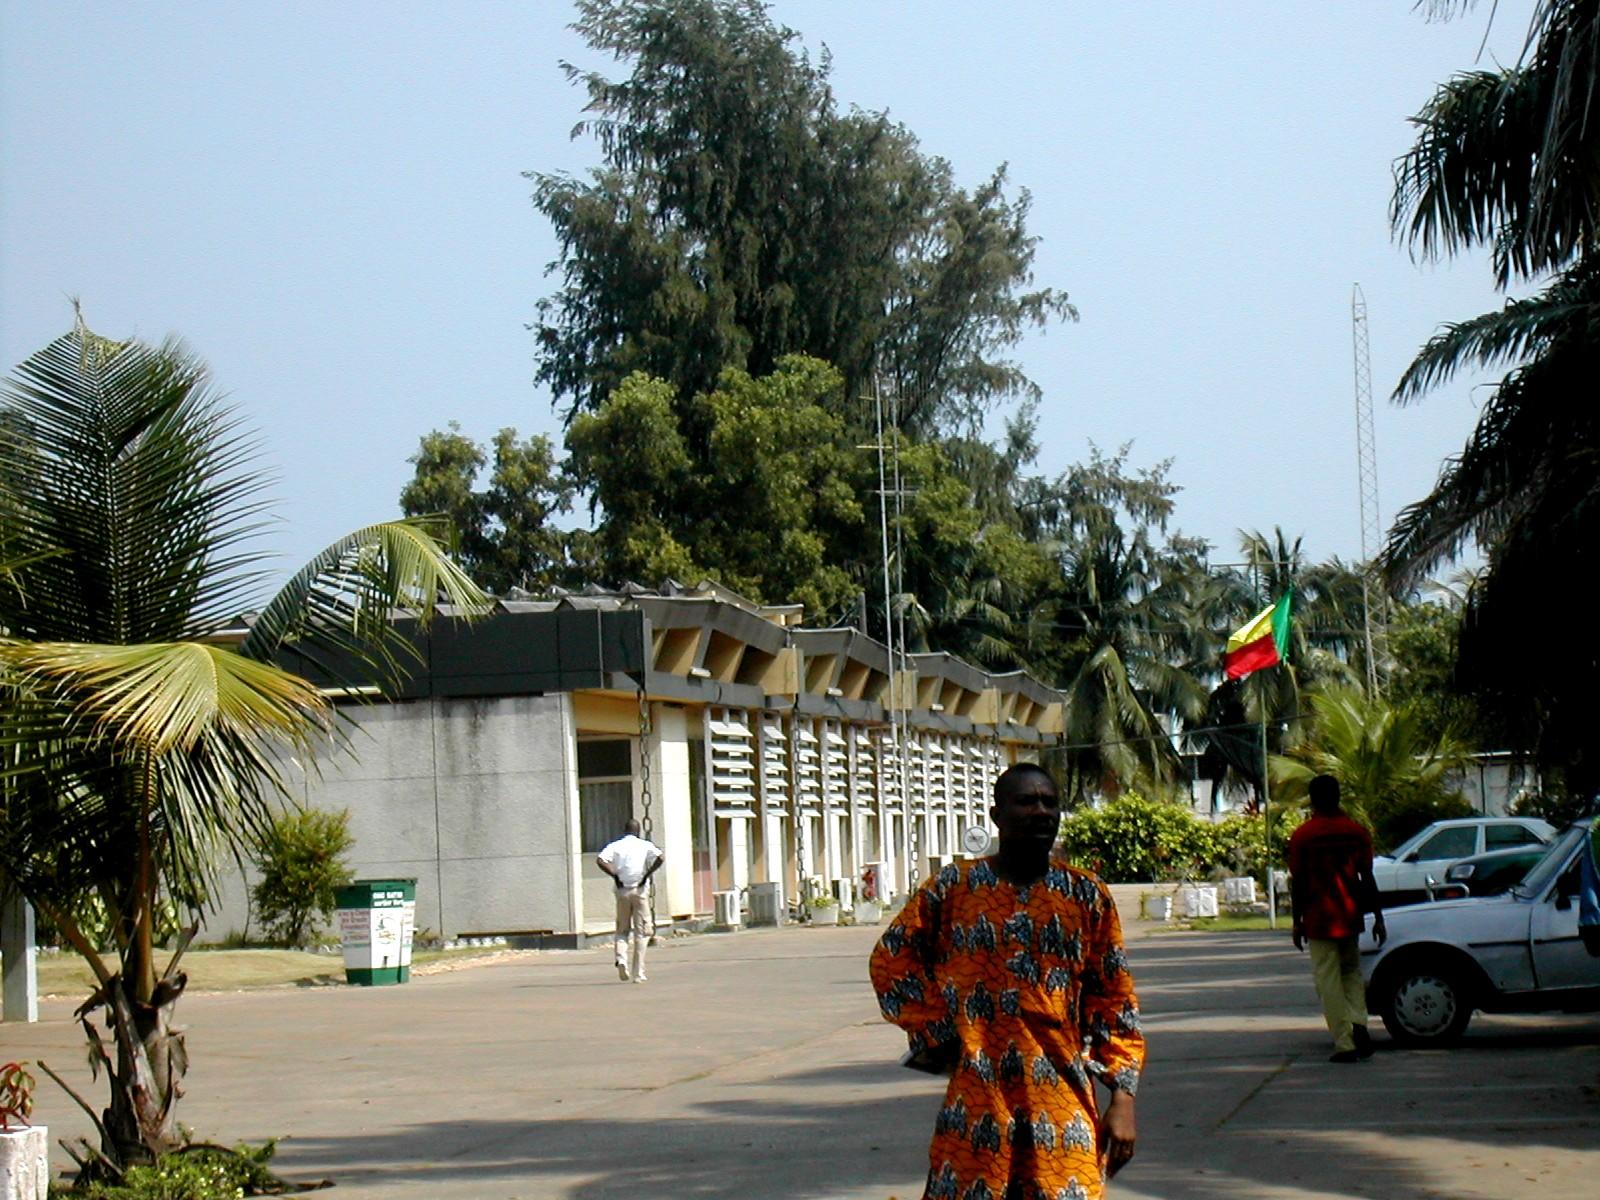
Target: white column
(21, 983)
(674, 827)
(573, 832)
(739, 852)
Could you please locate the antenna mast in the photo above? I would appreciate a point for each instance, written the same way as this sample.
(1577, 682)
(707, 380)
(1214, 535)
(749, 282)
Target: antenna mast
(1372, 598)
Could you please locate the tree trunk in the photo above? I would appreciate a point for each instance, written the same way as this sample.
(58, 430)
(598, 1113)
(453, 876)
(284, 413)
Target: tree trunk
(146, 1075)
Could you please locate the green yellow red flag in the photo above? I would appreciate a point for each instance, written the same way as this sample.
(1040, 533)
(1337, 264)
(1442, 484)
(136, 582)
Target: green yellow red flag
(1262, 642)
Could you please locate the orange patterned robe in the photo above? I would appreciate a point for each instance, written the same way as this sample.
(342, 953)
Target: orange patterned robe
(1034, 985)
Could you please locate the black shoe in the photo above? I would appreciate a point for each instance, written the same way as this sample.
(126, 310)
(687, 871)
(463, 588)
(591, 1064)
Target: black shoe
(1344, 1056)
(1363, 1041)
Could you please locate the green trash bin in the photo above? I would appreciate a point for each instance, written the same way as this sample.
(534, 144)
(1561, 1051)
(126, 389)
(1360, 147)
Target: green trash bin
(376, 918)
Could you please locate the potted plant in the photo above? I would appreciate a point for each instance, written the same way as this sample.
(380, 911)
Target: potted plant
(24, 1148)
(824, 910)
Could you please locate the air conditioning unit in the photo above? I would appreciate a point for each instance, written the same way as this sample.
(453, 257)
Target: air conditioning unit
(726, 909)
(844, 891)
(1197, 900)
(766, 904)
(1239, 891)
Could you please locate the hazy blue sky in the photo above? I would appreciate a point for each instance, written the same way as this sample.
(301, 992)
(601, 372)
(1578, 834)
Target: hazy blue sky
(326, 202)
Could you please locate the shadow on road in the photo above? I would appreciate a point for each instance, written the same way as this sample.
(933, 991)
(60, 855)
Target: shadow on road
(737, 1150)
(1238, 1101)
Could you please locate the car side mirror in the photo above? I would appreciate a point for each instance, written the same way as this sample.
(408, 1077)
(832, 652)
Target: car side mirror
(1412, 857)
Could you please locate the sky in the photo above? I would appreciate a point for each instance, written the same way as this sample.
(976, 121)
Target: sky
(327, 203)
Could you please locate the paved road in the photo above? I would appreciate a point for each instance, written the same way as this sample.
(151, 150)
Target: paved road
(754, 1065)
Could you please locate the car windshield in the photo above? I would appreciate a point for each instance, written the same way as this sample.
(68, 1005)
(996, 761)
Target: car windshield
(1547, 868)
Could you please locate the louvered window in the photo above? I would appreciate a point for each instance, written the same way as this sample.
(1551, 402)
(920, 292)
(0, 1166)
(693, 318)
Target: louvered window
(773, 763)
(730, 752)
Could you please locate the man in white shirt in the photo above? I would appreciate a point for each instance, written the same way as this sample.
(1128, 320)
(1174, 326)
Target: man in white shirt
(630, 861)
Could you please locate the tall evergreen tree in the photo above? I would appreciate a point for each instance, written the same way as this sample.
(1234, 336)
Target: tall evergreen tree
(739, 216)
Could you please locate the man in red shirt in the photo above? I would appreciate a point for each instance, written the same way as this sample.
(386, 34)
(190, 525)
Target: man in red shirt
(1330, 867)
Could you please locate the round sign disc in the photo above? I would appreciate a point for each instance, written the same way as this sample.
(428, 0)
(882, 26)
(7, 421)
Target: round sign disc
(975, 839)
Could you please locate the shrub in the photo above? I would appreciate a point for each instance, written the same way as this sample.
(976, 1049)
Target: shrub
(1558, 806)
(302, 864)
(1134, 839)
(198, 1172)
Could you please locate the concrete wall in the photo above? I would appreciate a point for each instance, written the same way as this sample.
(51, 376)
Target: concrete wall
(1492, 784)
(476, 799)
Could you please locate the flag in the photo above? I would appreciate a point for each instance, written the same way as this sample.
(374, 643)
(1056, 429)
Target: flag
(1262, 642)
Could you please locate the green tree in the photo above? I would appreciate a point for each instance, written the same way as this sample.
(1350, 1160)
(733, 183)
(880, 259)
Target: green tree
(1505, 160)
(761, 496)
(969, 579)
(141, 737)
(739, 217)
(505, 536)
(302, 863)
(1423, 640)
(1392, 774)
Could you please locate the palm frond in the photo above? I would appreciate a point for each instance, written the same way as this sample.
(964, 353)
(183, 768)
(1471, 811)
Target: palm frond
(165, 698)
(343, 604)
(127, 492)
(1506, 158)
(1532, 431)
(1568, 308)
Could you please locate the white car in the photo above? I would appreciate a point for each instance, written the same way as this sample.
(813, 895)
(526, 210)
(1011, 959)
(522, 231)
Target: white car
(1517, 952)
(1402, 876)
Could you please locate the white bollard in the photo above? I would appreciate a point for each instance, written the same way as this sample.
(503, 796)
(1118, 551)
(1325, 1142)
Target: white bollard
(25, 1163)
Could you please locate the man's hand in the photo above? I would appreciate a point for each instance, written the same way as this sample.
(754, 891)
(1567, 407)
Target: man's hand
(1117, 1133)
(1380, 931)
(1299, 936)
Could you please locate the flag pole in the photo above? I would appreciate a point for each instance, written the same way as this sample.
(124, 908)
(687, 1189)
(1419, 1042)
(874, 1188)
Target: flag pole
(1266, 789)
(1254, 564)
(1266, 819)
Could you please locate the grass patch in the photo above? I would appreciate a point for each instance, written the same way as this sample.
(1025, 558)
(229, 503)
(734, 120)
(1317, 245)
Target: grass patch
(66, 974)
(1228, 923)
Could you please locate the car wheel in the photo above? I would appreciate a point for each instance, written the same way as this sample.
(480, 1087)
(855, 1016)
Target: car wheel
(1426, 1004)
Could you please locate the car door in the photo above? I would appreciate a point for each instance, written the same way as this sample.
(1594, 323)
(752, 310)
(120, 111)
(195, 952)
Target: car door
(1559, 957)
(1434, 855)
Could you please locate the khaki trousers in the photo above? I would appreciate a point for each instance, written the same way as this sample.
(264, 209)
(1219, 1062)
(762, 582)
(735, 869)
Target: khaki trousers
(1336, 967)
(633, 929)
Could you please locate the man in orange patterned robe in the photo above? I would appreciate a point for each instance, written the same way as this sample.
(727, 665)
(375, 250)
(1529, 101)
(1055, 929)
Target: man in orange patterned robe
(1008, 973)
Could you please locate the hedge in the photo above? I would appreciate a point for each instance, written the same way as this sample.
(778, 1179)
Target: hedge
(1133, 839)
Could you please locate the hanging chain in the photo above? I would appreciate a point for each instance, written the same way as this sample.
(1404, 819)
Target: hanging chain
(648, 822)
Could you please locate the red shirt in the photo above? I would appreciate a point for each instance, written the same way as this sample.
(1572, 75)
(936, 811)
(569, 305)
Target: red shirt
(1328, 856)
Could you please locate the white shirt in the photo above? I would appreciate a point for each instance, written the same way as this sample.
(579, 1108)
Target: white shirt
(629, 857)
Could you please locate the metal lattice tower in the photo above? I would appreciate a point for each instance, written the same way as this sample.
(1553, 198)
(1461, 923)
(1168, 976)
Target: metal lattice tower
(1372, 597)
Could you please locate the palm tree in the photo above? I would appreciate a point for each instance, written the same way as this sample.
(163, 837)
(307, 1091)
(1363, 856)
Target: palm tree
(1391, 773)
(1507, 160)
(141, 740)
(1125, 609)
(1325, 645)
